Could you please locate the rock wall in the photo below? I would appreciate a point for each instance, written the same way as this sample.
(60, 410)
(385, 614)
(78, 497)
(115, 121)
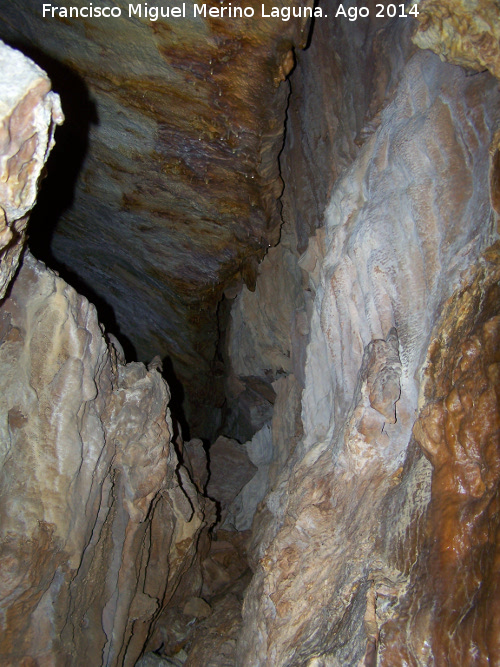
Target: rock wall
(100, 525)
(369, 520)
(362, 373)
(448, 612)
(29, 112)
(169, 157)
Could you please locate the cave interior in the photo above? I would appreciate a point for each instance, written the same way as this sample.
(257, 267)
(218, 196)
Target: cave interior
(275, 440)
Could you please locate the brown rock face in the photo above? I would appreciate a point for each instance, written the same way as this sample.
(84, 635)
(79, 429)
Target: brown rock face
(362, 376)
(449, 612)
(465, 32)
(345, 553)
(98, 521)
(179, 177)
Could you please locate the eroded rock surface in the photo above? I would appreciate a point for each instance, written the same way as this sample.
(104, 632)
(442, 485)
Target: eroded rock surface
(100, 525)
(448, 614)
(97, 531)
(204, 630)
(465, 32)
(335, 540)
(170, 158)
(29, 112)
(363, 377)
(230, 470)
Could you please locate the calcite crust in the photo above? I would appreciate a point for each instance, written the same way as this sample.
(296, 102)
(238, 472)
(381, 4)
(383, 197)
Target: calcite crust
(464, 32)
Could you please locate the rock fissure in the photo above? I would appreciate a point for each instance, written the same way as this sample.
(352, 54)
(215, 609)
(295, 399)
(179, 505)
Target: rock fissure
(303, 245)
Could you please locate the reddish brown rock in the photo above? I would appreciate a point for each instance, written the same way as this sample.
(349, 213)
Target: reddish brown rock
(337, 536)
(449, 613)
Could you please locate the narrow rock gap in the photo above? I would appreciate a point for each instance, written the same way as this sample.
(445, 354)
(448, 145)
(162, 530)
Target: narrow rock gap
(279, 417)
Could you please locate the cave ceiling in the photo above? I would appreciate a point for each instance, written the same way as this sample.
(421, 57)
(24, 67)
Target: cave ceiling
(164, 185)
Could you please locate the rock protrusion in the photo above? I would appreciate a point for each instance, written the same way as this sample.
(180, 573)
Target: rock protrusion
(29, 112)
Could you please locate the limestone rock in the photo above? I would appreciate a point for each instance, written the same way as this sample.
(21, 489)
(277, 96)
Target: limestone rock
(465, 32)
(345, 522)
(203, 631)
(449, 612)
(197, 607)
(393, 265)
(260, 452)
(249, 405)
(259, 343)
(214, 643)
(29, 112)
(230, 470)
(94, 534)
(195, 459)
(170, 156)
(153, 660)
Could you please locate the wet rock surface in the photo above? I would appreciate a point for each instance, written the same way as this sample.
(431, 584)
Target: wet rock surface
(447, 613)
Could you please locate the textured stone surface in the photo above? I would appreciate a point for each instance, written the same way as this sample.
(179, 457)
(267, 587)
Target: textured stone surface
(465, 32)
(185, 635)
(178, 178)
(345, 521)
(377, 540)
(392, 264)
(96, 531)
(230, 469)
(29, 111)
(259, 340)
(449, 614)
(341, 83)
(195, 460)
(260, 452)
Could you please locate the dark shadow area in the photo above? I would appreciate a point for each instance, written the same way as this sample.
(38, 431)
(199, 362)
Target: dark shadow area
(105, 314)
(177, 395)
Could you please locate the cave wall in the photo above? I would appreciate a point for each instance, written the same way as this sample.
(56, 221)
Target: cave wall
(99, 522)
(163, 189)
(369, 519)
(361, 376)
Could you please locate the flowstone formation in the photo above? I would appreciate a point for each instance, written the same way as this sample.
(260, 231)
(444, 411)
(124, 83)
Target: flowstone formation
(386, 493)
